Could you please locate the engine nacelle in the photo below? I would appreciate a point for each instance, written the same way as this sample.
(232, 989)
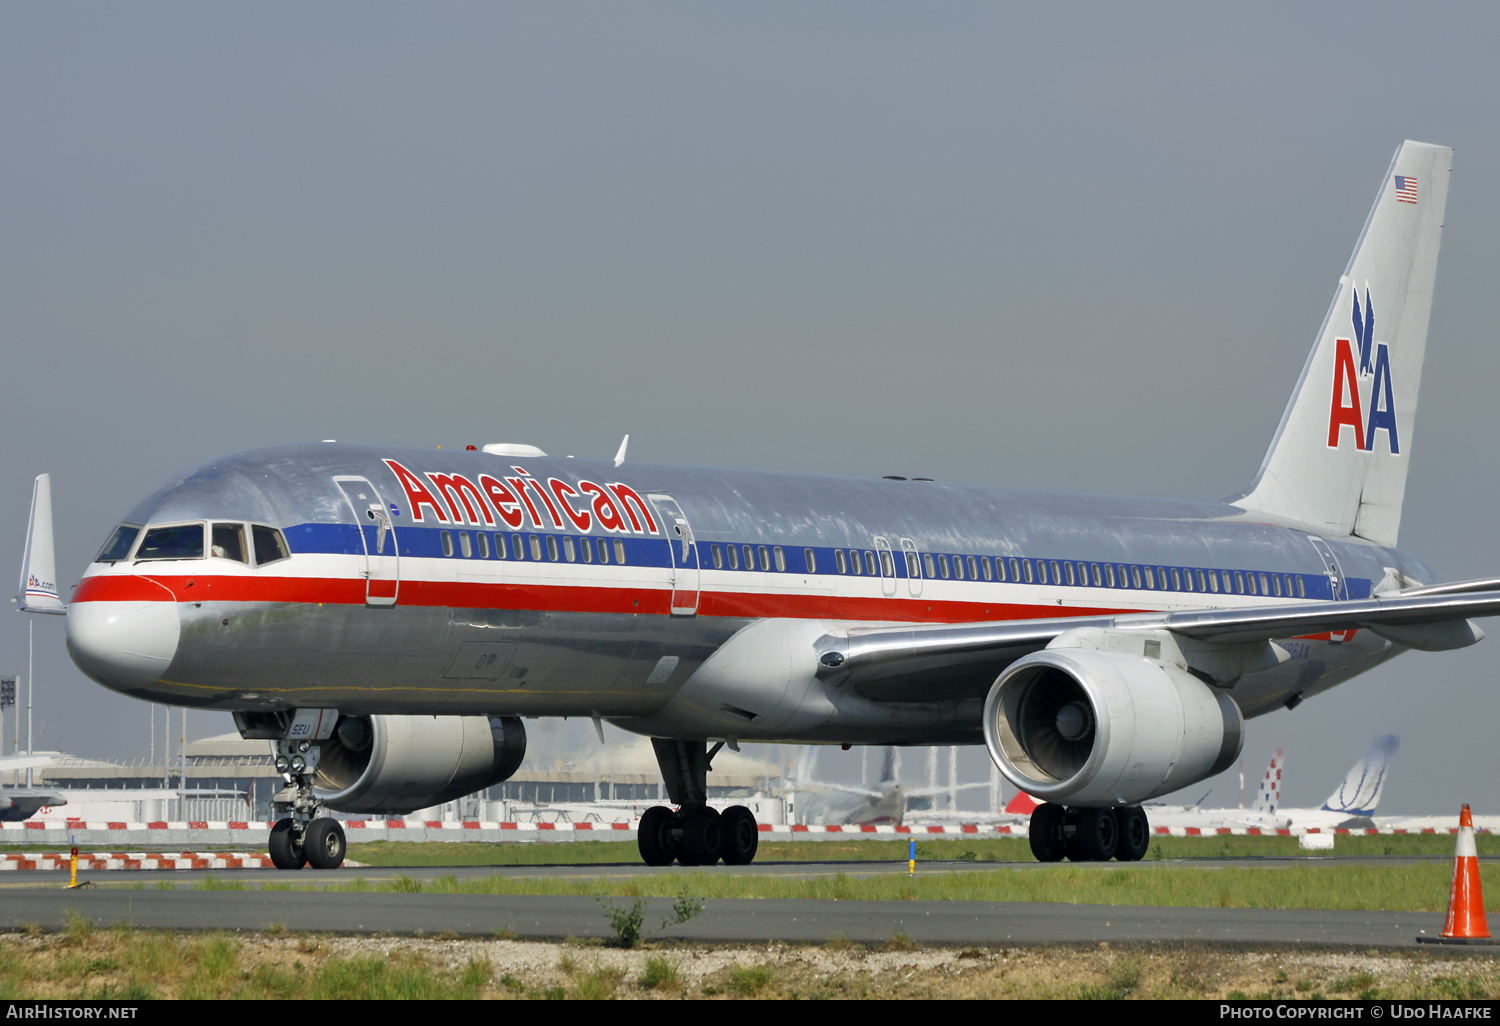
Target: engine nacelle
(1093, 728)
(404, 763)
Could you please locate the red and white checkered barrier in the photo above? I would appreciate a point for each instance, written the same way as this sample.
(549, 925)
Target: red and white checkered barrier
(98, 860)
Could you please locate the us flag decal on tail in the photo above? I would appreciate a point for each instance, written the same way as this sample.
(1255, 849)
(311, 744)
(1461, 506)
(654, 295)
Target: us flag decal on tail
(1406, 189)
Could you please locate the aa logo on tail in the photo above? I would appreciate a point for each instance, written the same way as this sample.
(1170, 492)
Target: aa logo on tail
(1375, 410)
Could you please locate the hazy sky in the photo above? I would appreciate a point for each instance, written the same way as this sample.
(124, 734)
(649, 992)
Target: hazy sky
(1082, 247)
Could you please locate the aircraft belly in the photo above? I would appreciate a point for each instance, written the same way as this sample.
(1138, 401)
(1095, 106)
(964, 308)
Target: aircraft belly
(433, 660)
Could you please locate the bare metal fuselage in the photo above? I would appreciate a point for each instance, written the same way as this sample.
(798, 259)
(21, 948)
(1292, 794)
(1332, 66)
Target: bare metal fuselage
(412, 629)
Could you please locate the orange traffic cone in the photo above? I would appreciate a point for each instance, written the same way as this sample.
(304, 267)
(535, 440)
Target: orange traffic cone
(1466, 923)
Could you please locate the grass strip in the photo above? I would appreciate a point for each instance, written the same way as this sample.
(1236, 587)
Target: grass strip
(1322, 885)
(417, 854)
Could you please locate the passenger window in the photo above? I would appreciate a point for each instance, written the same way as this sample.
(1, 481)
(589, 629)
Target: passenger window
(1026, 570)
(718, 555)
(1109, 573)
(1228, 581)
(928, 565)
(483, 541)
(780, 559)
(1057, 577)
(870, 563)
(1301, 587)
(812, 560)
(118, 546)
(1161, 576)
(765, 558)
(1213, 581)
(229, 542)
(1201, 584)
(182, 542)
(604, 550)
(1276, 585)
(1135, 576)
(1098, 577)
(447, 542)
(973, 567)
(734, 557)
(1150, 578)
(984, 563)
(464, 545)
(1083, 574)
(855, 566)
(1015, 570)
(1239, 583)
(619, 551)
(943, 567)
(1250, 583)
(568, 552)
(887, 564)
(1176, 580)
(1286, 581)
(1041, 571)
(588, 549)
(999, 568)
(1264, 585)
(958, 567)
(517, 546)
(552, 547)
(536, 546)
(840, 561)
(749, 558)
(499, 546)
(1069, 568)
(913, 565)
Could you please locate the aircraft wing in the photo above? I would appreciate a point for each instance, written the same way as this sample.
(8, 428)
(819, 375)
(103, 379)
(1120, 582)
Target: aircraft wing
(940, 661)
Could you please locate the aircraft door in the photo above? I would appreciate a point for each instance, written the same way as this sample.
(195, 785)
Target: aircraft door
(1331, 565)
(377, 536)
(913, 567)
(887, 566)
(684, 550)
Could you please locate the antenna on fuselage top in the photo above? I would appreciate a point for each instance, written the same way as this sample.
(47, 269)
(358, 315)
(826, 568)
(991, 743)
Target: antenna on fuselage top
(620, 456)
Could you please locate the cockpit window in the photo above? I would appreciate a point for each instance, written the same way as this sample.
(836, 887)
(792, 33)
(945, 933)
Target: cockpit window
(229, 542)
(269, 544)
(118, 546)
(182, 541)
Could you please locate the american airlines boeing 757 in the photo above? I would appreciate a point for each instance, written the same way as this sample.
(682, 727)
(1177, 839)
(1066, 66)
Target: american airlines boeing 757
(387, 618)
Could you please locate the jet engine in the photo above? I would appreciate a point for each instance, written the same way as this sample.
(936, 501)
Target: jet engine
(403, 763)
(1092, 728)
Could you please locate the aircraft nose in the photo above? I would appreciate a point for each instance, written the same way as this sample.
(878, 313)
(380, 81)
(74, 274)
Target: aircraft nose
(123, 645)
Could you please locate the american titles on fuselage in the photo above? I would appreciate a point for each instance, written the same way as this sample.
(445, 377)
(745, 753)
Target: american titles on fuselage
(455, 499)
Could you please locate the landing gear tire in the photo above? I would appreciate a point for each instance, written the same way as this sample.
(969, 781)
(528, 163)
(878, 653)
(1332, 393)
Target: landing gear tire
(324, 844)
(1098, 836)
(286, 853)
(741, 835)
(1135, 834)
(654, 836)
(1046, 833)
(702, 836)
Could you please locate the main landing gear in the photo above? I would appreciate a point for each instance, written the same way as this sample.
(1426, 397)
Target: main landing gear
(1089, 835)
(300, 837)
(695, 834)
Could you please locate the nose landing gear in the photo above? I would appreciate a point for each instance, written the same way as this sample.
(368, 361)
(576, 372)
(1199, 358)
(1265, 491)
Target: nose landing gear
(1089, 835)
(300, 836)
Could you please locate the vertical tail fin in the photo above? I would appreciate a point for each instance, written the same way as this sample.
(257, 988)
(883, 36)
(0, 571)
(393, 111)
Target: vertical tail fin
(1359, 793)
(38, 587)
(1268, 795)
(1338, 461)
